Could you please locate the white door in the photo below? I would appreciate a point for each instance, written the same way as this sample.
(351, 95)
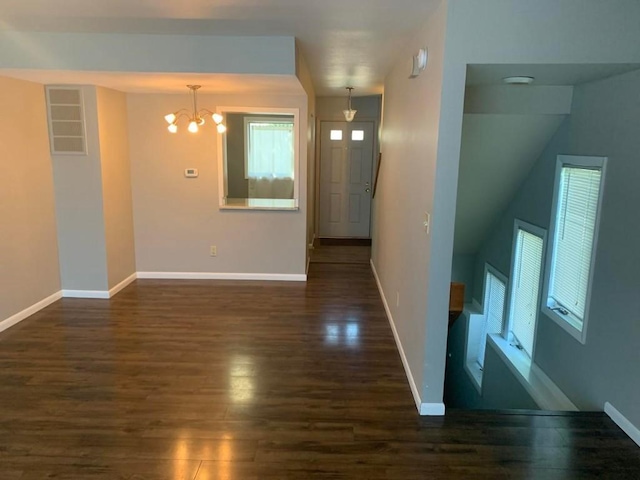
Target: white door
(346, 162)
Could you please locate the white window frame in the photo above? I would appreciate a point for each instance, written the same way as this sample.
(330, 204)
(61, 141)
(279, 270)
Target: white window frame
(541, 233)
(476, 324)
(569, 323)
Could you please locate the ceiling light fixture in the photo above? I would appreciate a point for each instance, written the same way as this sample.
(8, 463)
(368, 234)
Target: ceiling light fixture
(518, 80)
(419, 62)
(349, 113)
(196, 118)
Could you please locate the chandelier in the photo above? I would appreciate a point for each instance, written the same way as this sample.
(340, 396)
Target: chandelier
(195, 118)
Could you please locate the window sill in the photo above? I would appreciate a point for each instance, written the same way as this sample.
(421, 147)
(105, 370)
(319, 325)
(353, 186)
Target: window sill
(258, 204)
(544, 392)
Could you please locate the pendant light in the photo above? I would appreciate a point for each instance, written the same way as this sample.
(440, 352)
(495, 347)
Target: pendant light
(349, 113)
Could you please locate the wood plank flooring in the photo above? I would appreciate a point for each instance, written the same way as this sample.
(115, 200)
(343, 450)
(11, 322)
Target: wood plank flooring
(246, 380)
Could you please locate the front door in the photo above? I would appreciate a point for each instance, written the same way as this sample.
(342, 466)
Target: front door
(346, 161)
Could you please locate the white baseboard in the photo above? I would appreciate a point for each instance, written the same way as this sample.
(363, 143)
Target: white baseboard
(286, 277)
(620, 420)
(27, 312)
(433, 409)
(124, 283)
(85, 294)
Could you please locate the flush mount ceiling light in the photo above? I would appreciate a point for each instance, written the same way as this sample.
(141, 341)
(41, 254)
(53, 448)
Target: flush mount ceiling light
(349, 113)
(518, 80)
(195, 118)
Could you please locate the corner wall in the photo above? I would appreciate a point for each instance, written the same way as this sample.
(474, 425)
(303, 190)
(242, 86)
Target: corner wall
(29, 270)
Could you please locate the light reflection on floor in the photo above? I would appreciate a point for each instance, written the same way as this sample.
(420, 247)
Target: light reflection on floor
(348, 335)
(241, 379)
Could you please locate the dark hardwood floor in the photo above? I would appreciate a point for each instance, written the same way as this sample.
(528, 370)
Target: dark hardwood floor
(240, 381)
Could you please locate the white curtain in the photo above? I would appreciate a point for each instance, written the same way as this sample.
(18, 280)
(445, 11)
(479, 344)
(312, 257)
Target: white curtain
(270, 150)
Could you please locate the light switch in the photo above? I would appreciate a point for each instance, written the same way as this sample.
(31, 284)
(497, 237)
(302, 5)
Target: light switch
(191, 172)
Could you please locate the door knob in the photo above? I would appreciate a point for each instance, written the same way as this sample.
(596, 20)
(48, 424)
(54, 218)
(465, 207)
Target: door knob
(367, 190)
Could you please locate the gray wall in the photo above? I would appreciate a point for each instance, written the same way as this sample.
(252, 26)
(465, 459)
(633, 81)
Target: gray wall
(462, 271)
(237, 184)
(80, 210)
(401, 250)
(28, 247)
(604, 122)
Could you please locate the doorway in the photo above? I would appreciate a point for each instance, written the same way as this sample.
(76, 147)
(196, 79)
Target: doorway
(346, 163)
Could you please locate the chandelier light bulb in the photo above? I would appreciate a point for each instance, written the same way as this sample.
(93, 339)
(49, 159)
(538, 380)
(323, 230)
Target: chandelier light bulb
(173, 128)
(171, 118)
(217, 118)
(221, 128)
(193, 126)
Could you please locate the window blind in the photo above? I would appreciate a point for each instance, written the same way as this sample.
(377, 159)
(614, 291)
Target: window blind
(573, 241)
(526, 284)
(270, 150)
(494, 297)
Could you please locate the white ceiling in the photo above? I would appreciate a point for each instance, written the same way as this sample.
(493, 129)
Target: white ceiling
(345, 42)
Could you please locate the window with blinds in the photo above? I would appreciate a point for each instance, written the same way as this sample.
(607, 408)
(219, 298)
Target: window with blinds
(494, 299)
(525, 285)
(576, 208)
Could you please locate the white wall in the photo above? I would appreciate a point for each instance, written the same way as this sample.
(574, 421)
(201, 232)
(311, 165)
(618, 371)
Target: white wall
(405, 192)
(177, 219)
(116, 185)
(28, 247)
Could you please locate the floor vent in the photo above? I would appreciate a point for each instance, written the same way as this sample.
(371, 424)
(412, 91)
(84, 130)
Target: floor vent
(65, 111)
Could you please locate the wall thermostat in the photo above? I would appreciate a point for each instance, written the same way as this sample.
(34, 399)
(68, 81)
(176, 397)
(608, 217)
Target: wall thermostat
(191, 172)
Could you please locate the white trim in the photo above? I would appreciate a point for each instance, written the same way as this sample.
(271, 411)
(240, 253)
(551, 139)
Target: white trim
(620, 420)
(540, 387)
(104, 294)
(27, 312)
(435, 409)
(283, 277)
(124, 283)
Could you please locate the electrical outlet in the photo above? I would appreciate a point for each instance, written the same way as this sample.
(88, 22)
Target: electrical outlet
(214, 251)
(397, 299)
(427, 222)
